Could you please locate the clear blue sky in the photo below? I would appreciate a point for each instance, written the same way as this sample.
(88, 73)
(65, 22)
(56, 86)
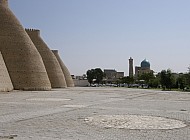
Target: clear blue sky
(105, 33)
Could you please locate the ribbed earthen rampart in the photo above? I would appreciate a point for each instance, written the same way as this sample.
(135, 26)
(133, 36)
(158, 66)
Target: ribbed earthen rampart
(52, 65)
(5, 81)
(4, 3)
(65, 70)
(23, 61)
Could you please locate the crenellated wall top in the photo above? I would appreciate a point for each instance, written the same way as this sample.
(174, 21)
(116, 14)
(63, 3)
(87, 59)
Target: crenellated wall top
(55, 51)
(33, 31)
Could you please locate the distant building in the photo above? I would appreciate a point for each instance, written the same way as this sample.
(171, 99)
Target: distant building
(111, 75)
(119, 75)
(144, 68)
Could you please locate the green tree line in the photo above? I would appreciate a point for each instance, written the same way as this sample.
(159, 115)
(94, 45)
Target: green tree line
(165, 79)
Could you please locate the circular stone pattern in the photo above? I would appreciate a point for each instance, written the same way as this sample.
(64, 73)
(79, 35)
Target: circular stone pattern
(134, 122)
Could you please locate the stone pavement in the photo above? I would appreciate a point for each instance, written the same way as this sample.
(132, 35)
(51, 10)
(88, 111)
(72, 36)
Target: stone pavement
(95, 114)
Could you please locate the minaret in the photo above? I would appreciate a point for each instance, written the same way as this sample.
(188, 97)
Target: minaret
(51, 63)
(23, 61)
(130, 67)
(65, 70)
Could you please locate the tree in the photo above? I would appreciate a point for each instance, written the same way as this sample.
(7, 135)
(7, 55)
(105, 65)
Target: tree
(147, 77)
(183, 80)
(90, 75)
(99, 74)
(128, 80)
(163, 78)
(180, 82)
(154, 82)
(166, 79)
(95, 75)
(188, 77)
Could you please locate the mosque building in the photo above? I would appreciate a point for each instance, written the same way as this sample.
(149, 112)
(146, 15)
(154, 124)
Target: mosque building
(143, 68)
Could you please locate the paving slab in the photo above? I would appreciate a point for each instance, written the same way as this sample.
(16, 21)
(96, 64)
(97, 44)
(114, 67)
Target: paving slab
(98, 113)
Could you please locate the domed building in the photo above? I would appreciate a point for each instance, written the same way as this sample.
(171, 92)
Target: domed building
(144, 68)
(145, 64)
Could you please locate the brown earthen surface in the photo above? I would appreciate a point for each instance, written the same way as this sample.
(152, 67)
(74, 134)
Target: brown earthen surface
(23, 61)
(51, 63)
(5, 81)
(65, 70)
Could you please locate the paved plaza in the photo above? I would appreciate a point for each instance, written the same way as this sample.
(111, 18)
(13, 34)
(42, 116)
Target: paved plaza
(95, 114)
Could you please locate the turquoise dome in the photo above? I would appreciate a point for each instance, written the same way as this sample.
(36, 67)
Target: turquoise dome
(145, 64)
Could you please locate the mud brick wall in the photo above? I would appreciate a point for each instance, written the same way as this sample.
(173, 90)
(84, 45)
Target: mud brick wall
(51, 63)
(5, 81)
(65, 70)
(23, 61)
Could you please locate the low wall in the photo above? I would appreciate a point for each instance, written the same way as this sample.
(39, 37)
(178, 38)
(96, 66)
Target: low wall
(81, 83)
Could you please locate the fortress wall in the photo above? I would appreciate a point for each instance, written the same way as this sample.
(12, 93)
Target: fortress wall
(5, 81)
(4, 2)
(66, 72)
(51, 63)
(23, 61)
